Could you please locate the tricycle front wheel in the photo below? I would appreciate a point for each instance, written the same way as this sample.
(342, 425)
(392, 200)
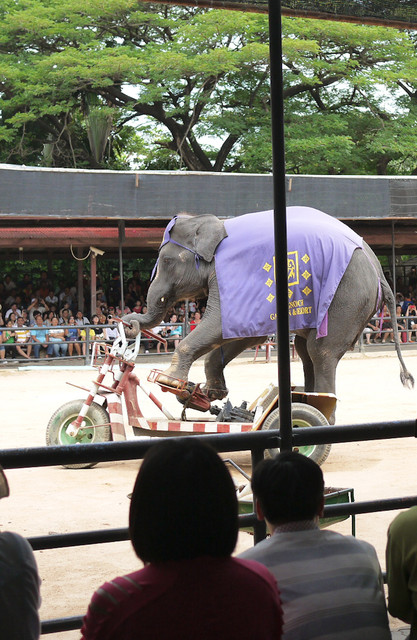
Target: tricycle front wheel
(303, 415)
(56, 430)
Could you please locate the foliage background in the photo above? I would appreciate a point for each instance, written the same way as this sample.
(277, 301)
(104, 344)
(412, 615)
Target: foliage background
(119, 84)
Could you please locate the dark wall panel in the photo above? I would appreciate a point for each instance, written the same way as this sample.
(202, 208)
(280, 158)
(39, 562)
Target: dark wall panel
(27, 193)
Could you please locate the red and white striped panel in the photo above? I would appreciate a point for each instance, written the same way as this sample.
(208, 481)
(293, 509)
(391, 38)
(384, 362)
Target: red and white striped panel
(114, 408)
(199, 427)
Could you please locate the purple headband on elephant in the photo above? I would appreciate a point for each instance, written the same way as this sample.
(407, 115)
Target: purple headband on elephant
(167, 238)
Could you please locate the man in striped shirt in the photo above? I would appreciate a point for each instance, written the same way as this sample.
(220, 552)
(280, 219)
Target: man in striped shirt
(331, 585)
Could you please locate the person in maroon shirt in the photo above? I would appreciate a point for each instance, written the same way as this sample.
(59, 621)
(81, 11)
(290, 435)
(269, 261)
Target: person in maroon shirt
(183, 525)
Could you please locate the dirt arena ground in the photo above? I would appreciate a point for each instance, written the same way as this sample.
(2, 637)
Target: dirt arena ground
(57, 500)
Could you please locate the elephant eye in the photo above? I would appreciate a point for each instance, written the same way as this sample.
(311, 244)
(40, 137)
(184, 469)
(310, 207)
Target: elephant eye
(162, 299)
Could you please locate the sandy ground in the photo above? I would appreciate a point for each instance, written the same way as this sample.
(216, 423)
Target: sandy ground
(57, 500)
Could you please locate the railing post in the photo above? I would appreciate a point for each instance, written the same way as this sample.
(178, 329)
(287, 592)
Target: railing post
(259, 528)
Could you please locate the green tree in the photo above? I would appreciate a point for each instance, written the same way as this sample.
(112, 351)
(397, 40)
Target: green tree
(119, 84)
(74, 74)
(348, 107)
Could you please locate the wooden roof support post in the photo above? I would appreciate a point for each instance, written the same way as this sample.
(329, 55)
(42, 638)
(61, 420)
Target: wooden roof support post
(394, 269)
(122, 236)
(80, 281)
(93, 263)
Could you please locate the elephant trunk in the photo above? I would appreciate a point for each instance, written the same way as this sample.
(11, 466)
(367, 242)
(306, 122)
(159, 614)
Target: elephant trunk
(157, 307)
(147, 320)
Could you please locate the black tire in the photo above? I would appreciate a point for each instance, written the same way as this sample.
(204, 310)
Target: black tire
(56, 429)
(303, 415)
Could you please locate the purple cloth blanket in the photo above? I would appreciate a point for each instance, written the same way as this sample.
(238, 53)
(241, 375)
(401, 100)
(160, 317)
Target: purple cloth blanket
(319, 250)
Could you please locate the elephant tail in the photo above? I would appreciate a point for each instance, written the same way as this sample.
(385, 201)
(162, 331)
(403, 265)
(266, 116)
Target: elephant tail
(406, 377)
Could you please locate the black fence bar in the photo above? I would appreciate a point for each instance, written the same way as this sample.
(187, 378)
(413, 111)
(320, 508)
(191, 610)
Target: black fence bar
(252, 440)
(259, 527)
(84, 538)
(61, 624)
(351, 433)
(78, 539)
(369, 506)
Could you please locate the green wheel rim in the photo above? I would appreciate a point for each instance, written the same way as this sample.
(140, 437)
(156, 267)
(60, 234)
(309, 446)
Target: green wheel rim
(84, 435)
(307, 449)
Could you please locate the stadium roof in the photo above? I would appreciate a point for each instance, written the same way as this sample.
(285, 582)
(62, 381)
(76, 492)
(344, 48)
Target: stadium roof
(390, 13)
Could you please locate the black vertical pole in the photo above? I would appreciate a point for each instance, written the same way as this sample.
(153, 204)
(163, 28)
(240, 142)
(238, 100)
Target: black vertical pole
(280, 221)
(121, 227)
(394, 266)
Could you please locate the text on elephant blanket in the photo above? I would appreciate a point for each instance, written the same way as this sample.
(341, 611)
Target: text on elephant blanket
(320, 248)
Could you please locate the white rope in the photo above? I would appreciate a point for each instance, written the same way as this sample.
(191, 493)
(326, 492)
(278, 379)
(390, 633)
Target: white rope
(80, 259)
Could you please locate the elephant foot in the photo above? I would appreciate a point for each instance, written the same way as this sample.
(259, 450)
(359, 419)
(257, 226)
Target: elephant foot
(215, 393)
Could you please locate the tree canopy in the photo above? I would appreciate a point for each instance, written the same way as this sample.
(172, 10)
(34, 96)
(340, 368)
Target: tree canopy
(118, 84)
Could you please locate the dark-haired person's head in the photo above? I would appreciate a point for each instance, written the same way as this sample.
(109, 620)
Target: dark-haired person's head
(183, 504)
(288, 488)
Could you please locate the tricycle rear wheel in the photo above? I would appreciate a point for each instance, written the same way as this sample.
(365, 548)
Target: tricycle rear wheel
(67, 413)
(303, 415)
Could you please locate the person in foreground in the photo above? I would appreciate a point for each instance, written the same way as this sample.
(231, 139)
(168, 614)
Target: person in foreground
(401, 562)
(183, 525)
(331, 585)
(19, 584)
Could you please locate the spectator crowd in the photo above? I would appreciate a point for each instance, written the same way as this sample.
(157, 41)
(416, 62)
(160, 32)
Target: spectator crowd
(380, 328)
(39, 318)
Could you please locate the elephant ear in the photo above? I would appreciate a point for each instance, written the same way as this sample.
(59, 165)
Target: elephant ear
(210, 231)
(201, 233)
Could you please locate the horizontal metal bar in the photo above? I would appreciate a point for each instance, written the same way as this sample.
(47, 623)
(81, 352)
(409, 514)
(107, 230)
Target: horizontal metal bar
(58, 541)
(79, 538)
(99, 536)
(369, 506)
(61, 624)
(252, 440)
(351, 433)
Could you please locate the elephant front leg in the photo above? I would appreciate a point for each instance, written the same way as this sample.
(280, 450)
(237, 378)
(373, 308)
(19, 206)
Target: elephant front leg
(193, 346)
(215, 362)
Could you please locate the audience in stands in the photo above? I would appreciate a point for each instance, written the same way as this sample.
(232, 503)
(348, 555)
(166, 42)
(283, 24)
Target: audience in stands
(23, 338)
(57, 338)
(175, 330)
(30, 298)
(7, 338)
(19, 584)
(39, 336)
(411, 314)
(331, 585)
(371, 330)
(2, 348)
(183, 526)
(196, 319)
(73, 336)
(163, 331)
(401, 562)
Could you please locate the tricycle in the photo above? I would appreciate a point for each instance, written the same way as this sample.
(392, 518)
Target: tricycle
(111, 408)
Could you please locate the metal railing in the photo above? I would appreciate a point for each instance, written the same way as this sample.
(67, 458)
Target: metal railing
(86, 342)
(256, 442)
(380, 335)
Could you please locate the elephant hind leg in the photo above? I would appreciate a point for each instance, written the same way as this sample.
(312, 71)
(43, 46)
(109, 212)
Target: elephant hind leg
(308, 367)
(216, 360)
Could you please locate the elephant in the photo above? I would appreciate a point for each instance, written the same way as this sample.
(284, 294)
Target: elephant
(188, 267)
